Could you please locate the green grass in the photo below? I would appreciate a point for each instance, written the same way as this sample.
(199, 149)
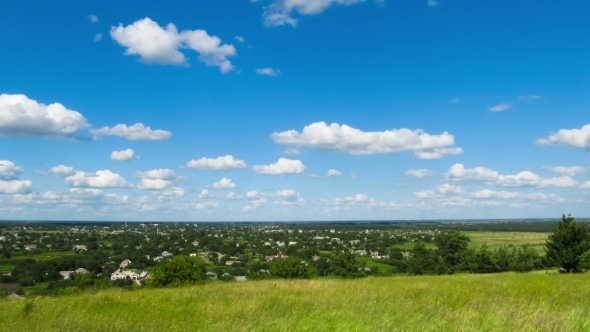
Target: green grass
(8, 264)
(496, 239)
(410, 245)
(505, 302)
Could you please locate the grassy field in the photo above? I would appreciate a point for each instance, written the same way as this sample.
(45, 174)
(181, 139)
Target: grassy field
(496, 239)
(505, 302)
(7, 264)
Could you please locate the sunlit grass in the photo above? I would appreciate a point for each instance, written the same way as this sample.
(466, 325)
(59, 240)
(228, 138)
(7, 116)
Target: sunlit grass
(499, 302)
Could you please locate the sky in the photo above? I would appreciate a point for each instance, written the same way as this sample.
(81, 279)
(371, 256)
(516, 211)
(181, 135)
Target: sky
(287, 110)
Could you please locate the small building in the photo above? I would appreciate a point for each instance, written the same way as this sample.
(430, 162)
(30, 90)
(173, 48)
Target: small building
(30, 247)
(269, 258)
(166, 254)
(192, 255)
(158, 259)
(81, 271)
(66, 274)
(2, 238)
(361, 252)
(280, 243)
(315, 258)
(230, 263)
(124, 263)
(267, 243)
(211, 276)
(80, 247)
(240, 278)
(332, 231)
(292, 243)
(124, 275)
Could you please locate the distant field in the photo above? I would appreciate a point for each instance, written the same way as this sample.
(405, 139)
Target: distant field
(498, 302)
(495, 240)
(7, 264)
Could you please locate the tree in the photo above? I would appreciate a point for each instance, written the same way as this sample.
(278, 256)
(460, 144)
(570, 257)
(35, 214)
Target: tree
(178, 271)
(422, 260)
(346, 265)
(291, 268)
(585, 261)
(567, 244)
(451, 244)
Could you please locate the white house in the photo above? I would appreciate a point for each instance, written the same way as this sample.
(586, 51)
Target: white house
(230, 263)
(280, 243)
(124, 263)
(332, 231)
(65, 274)
(30, 246)
(166, 254)
(2, 238)
(158, 258)
(292, 243)
(81, 271)
(192, 255)
(267, 243)
(80, 247)
(122, 275)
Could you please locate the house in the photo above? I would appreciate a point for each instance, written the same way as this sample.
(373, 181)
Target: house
(315, 258)
(192, 255)
(337, 240)
(2, 238)
(282, 255)
(280, 243)
(230, 263)
(211, 275)
(81, 271)
(124, 263)
(144, 275)
(166, 254)
(353, 242)
(361, 252)
(195, 243)
(30, 247)
(240, 278)
(406, 254)
(267, 243)
(66, 274)
(124, 275)
(292, 243)
(332, 231)
(158, 259)
(80, 247)
(269, 258)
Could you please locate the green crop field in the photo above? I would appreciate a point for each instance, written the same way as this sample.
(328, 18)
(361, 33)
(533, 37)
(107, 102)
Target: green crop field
(498, 302)
(7, 264)
(496, 239)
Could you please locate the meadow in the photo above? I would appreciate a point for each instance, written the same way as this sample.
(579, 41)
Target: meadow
(498, 302)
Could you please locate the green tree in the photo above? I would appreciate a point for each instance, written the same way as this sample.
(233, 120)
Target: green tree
(178, 271)
(346, 265)
(291, 268)
(567, 244)
(422, 260)
(450, 246)
(585, 261)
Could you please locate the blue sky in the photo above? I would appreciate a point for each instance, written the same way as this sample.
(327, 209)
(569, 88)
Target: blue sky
(294, 110)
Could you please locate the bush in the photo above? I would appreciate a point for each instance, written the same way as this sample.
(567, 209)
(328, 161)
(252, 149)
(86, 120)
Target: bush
(178, 271)
(291, 268)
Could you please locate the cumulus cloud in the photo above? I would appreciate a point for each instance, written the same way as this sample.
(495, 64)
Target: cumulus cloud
(252, 194)
(458, 172)
(15, 186)
(239, 39)
(334, 173)
(280, 11)
(233, 195)
(432, 3)
(486, 193)
(288, 197)
(420, 173)
(283, 167)
(9, 171)
(172, 193)
(500, 107)
(162, 45)
(206, 206)
(137, 132)
(344, 138)
(93, 18)
(566, 170)
(205, 194)
(437, 153)
(153, 184)
(124, 155)
(24, 117)
(63, 170)
(224, 183)
(574, 138)
(220, 163)
(438, 191)
(267, 71)
(157, 174)
(585, 185)
(100, 179)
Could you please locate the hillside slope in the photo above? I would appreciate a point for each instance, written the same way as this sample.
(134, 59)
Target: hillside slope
(499, 302)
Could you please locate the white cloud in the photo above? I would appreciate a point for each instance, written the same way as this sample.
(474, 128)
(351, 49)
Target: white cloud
(287, 195)
(292, 151)
(97, 37)
(153, 184)
(575, 138)
(137, 132)
(124, 155)
(93, 18)
(63, 170)
(279, 12)
(458, 172)
(154, 44)
(437, 153)
(585, 185)
(267, 71)
(529, 97)
(566, 170)
(344, 138)
(207, 206)
(282, 167)
(224, 183)
(438, 191)
(157, 174)
(172, 193)
(9, 171)
(500, 107)
(233, 195)
(23, 117)
(253, 194)
(205, 194)
(220, 163)
(490, 194)
(100, 179)
(239, 39)
(334, 173)
(432, 3)
(15, 186)
(420, 173)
